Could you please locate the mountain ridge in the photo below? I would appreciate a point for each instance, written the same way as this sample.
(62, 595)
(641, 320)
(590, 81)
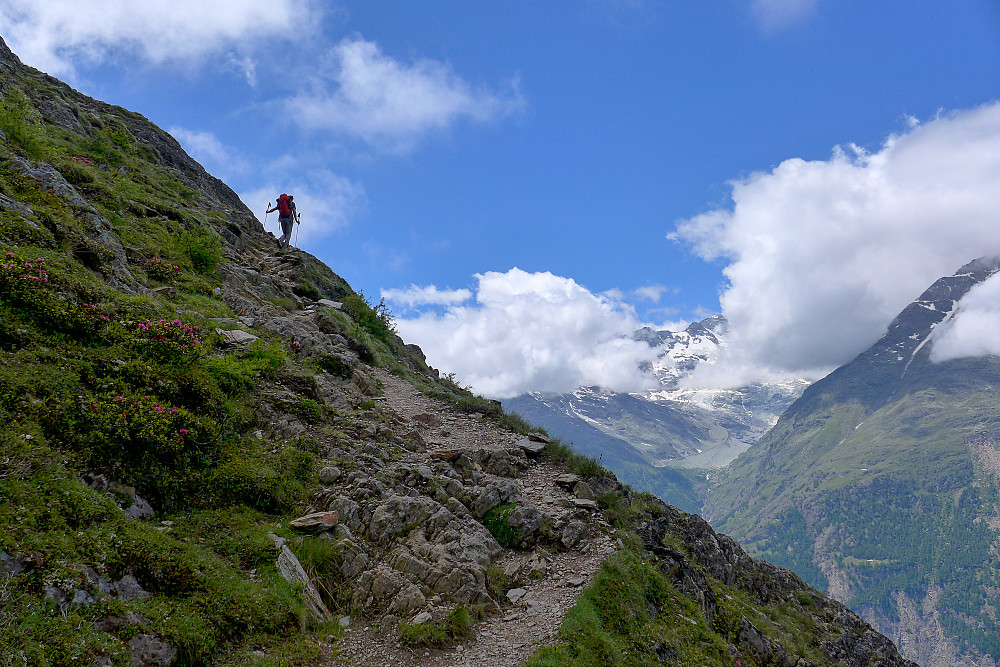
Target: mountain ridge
(214, 453)
(874, 474)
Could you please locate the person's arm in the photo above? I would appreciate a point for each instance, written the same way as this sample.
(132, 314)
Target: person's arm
(271, 210)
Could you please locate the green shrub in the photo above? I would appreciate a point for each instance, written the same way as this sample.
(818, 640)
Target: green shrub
(141, 440)
(203, 248)
(268, 483)
(21, 122)
(307, 291)
(169, 341)
(335, 365)
(162, 271)
(456, 625)
(376, 320)
(497, 521)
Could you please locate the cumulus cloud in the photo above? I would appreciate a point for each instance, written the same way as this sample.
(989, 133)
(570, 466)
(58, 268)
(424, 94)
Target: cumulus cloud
(54, 34)
(775, 15)
(533, 332)
(325, 202)
(206, 148)
(651, 292)
(426, 296)
(362, 92)
(823, 254)
(972, 331)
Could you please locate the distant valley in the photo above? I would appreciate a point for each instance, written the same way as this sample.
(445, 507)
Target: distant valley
(665, 439)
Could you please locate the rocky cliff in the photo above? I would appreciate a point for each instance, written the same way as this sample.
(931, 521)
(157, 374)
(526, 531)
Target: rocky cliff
(216, 453)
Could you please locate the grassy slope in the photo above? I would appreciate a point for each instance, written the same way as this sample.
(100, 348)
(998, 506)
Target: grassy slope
(96, 379)
(886, 493)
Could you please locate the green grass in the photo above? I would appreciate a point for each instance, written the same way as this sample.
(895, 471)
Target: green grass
(457, 625)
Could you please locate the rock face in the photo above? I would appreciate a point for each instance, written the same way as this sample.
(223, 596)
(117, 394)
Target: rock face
(707, 559)
(871, 480)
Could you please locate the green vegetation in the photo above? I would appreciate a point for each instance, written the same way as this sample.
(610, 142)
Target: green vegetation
(889, 493)
(105, 396)
(497, 521)
(455, 626)
(21, 122)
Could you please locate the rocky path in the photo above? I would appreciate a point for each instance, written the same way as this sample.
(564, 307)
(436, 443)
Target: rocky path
(533, 612)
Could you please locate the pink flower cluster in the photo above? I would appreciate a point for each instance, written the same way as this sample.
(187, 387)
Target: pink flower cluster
(32, 272)
(137, 409)
(156, 261)
(92, 306)
(84, 160)
(165, 330)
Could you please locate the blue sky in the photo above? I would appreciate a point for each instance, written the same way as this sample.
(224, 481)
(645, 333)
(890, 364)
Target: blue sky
(633, 159)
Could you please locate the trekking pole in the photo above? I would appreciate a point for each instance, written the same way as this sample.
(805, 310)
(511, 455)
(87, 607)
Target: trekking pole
(298, 223)
(265, 215)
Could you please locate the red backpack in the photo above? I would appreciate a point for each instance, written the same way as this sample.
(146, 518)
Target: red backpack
(284, 209)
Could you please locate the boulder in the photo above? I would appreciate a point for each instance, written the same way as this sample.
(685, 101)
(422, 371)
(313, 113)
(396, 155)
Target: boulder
(348, 511)
(583, 491)
(235, 337)
(127, 589)
(408, 600)
(573, 533)
(531, 447)
(567, 481)
(493, 496)
(329, 474)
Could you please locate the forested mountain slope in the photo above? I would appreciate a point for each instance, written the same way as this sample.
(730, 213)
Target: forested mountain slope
(880, 485)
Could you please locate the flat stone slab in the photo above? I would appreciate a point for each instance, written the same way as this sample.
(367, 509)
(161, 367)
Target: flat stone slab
(516, 594)
(585, 504)
(330, 304)
(235, 336)
(567, 481)
(316, 522)
(531, 447)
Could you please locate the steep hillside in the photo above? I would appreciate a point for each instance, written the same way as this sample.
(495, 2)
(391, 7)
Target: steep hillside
(216, 453)
(880, 485)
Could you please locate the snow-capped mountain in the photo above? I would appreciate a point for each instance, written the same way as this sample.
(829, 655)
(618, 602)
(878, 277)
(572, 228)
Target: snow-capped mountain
(676, 424)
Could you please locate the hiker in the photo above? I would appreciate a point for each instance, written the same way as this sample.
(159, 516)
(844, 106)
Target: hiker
(287, 217)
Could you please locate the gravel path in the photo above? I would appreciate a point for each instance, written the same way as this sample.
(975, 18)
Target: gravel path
(512, 635)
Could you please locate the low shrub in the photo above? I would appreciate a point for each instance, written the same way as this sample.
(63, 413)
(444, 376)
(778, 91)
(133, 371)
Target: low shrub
(376, 320)
(456, 625)
(497, 521)
(21, 122)
(203, 249)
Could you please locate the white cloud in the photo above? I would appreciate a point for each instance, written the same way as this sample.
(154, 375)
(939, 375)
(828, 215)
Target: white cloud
(246, 66)
(206, 148)
(362, 92)
(426, 296)
(533, 332)
(779, 14)
(972, 331)
(651, 292)
(54, 34)
(823, 254)
(325, 203)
